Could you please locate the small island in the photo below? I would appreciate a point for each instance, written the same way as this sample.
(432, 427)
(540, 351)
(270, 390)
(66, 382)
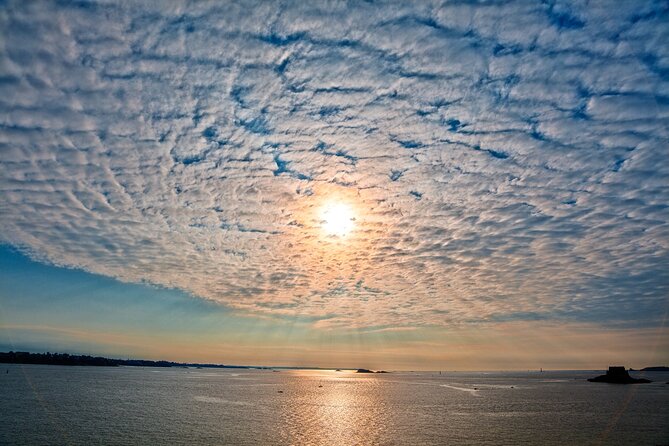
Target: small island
(618, 375)
(370, 371)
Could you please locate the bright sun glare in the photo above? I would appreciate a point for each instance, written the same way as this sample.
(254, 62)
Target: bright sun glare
(337, 219)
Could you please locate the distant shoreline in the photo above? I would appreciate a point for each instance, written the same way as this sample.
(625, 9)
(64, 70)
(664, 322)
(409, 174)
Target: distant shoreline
(98, 361)
(67, 359)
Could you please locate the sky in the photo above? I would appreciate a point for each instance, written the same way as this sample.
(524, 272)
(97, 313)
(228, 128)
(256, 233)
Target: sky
(405, 185)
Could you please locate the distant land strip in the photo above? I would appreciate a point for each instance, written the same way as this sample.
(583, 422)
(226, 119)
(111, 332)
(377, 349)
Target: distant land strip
(48, 358)
(655, 369)
(85, 360)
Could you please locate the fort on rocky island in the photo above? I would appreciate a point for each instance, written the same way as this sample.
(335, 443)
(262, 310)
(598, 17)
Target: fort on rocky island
(618, 375)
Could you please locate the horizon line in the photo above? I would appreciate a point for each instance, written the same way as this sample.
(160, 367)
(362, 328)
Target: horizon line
(177, 364)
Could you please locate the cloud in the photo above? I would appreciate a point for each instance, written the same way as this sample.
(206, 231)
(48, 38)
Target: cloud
(505, 161)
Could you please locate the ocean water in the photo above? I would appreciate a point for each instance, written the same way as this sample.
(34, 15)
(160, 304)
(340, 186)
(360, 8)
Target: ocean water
(56, 405)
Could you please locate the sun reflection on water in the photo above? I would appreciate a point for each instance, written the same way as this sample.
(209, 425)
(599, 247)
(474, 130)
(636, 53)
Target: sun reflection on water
(333, 408)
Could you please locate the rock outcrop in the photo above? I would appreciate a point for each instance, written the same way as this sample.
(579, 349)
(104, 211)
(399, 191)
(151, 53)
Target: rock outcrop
(618, 375)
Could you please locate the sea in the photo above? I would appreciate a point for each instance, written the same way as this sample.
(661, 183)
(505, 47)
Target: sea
(61, 405)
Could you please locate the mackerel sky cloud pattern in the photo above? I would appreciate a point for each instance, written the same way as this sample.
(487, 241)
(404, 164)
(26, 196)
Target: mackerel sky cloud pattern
(506, 161)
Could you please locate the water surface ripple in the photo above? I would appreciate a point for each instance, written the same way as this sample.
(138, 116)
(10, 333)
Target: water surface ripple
(55, 405)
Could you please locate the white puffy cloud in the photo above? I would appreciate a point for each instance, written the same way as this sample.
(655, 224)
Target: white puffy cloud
(505, 161)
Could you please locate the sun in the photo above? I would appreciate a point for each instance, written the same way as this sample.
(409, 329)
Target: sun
(337, 219)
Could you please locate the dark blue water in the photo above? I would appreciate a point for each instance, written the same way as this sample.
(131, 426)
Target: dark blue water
(124, 405)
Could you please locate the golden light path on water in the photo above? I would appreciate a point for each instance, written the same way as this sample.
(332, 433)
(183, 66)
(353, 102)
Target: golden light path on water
(345, 408)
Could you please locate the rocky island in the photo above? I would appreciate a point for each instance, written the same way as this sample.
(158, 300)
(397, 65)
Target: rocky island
(618, 375)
